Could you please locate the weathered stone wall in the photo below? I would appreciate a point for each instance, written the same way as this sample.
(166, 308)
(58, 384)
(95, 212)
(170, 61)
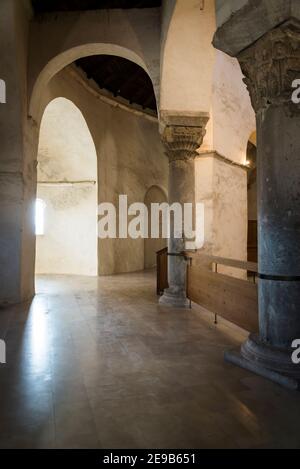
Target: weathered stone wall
(188, 57)
(233, 119)
(222, 187)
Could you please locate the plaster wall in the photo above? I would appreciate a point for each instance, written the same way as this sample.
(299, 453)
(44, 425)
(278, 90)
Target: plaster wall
(221, 185)
(69, 245)
(233, 118)
(222, 188)
(67, 184)
(188, 56)
(196, 77)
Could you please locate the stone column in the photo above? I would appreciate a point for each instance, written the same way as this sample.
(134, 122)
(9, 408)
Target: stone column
(270, 65)
(182, 136)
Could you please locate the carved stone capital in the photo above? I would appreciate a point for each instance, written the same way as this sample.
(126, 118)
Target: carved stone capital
(183, 135)
(271, 65)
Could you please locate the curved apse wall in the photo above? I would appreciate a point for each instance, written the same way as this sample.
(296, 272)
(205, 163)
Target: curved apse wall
(67, 183)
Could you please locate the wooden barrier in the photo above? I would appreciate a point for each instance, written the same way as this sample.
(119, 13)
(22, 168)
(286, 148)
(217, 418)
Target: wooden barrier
(162, 270)
(252, 241)
(232, 298)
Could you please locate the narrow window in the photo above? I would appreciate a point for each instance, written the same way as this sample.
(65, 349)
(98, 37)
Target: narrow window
(40, 217)
(2, 92)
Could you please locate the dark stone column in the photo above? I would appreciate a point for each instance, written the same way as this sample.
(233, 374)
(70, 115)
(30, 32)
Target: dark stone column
(270, 66)
(182, 136)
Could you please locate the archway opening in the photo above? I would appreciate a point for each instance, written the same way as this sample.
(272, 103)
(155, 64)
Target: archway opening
(117, 98)
(121, 78)
(66, 205)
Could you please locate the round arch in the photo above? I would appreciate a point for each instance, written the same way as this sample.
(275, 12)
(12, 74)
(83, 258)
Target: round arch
(159, 189)
(56, 64)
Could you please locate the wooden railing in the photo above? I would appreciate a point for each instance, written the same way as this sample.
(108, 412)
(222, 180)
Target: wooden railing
(162, 270)
(234, 298)
(252, 241)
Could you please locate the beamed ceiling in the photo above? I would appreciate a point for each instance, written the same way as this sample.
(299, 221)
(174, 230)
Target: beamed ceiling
(121, 77)
(43, 6)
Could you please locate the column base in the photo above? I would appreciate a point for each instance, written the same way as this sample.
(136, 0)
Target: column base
(269, 362)
(175, 299)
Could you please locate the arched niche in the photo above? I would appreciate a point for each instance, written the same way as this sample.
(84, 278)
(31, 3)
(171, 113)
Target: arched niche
(67, 184)
(154, 195)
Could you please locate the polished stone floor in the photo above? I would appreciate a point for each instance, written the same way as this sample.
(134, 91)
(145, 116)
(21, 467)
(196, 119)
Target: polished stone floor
(96, 363)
